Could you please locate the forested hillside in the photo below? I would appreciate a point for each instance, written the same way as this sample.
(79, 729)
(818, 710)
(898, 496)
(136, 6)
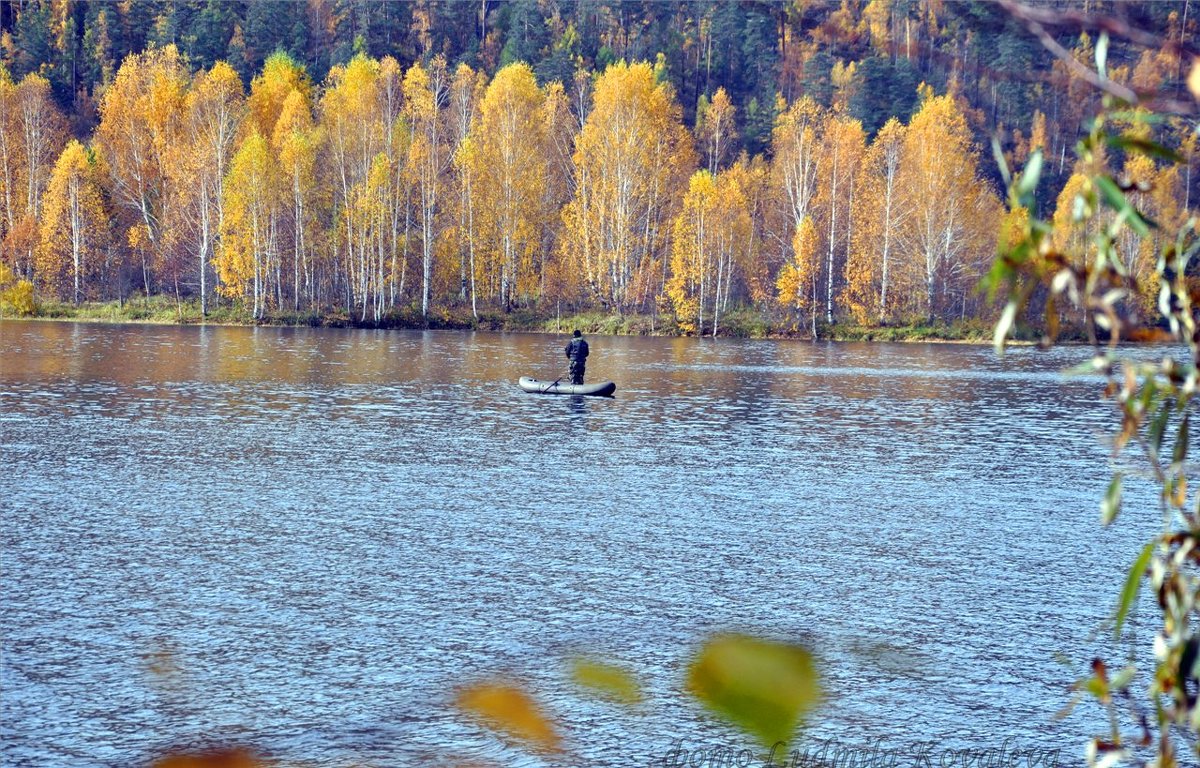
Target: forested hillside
(816, 162)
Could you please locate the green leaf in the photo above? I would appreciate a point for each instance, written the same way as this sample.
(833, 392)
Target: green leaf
(1001, 163)
(1004, 325)
(1137, 116)
(609, 681)
(1158, 427)
(1080, 209)
(1041, 227)
(1097, 687)
(1133, 584)
(1111, 504)
(995, 277)
(1115, 198)
(764, 687)
(1112, 194)
(1181, 441)
(1098, 363)
(1122, 679)
(1150, 389)
(1145, 147)
(1031, 175)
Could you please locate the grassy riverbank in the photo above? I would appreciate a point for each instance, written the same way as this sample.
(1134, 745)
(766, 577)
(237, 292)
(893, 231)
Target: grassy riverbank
(741, 323)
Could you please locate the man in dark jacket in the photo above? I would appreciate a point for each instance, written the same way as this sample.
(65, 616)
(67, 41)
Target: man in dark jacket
(577, 352)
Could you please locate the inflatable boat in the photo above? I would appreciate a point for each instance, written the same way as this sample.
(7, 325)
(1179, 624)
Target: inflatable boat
(599, 389)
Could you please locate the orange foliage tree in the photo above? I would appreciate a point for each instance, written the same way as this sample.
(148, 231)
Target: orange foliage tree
(141, 121)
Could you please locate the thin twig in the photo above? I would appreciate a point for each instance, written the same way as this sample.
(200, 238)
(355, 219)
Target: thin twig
(1037, 19)
(1115, 26)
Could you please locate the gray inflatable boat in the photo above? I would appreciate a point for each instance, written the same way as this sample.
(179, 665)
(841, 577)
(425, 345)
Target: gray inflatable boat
(599, 389)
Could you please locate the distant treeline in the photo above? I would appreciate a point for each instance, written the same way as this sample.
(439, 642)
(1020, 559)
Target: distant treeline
(821, 161)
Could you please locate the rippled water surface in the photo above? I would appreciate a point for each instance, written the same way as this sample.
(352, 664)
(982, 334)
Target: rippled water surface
(303, 539)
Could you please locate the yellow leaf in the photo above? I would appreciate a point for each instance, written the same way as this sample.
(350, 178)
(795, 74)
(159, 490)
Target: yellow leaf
(223, 758)
(764, 687)
(608, 680)
(510, 710)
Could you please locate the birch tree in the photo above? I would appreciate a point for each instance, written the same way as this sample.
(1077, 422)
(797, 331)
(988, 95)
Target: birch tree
(352, 129)
(141, 116)
(797, 280)
(74, 226)
(247, 257)
(32, 132)
(795, 147)
(296, 143)
(869, 269)
(708, 232)
(950, 230)
(466, 91)
(425, 94)
(628, 160)
(715, 128)
(215, 106)
(509, 167)
(841, 150)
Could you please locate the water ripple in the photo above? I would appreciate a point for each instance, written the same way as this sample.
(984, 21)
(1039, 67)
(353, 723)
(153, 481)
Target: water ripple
(323, 532)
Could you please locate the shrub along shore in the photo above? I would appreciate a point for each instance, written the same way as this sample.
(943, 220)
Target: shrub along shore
(743, 323)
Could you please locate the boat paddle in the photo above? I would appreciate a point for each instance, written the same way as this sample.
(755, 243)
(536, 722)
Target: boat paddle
(554, 384)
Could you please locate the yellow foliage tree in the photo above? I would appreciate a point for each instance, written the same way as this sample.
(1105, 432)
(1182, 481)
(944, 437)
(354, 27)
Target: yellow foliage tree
(296, 142)
(880, 213)
(356, 111)
(281, 75)
(16, 294)
(949, 233)
(1070, 235)
(248, 254)
(709, 233)
(426, 91)
(466, 92)
(715, 128)
(367, 217)
(795, 149)
(558, 189)
(797, 281)
(141, 118)
(754, 267)
(215, 105)
(1157, 193)
(74, 226)
(630, 157)
(691, 252)
(10, 184)
(32, 133)
(841, 149)
(509, 157)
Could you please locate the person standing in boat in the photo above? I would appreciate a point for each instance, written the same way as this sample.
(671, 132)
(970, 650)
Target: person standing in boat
(577, 352)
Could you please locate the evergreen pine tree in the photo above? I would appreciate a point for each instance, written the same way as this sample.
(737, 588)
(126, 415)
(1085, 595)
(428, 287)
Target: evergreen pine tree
(32, 39)
(209, 33)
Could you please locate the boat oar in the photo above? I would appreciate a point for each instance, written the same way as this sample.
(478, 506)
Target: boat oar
(554, 384)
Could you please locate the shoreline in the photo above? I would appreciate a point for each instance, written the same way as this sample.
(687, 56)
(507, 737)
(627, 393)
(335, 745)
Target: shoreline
(747, 325)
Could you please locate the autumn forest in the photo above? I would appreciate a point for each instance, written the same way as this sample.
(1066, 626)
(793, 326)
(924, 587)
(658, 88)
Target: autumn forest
(810, 163)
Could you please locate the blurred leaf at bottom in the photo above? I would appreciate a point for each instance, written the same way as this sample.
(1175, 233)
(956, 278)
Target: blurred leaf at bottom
(761, 686)
(510, 710)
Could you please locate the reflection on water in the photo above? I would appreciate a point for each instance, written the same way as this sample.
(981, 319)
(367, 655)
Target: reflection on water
(321, 531)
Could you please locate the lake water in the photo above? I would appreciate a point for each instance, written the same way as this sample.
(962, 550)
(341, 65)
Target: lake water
(303, 540)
